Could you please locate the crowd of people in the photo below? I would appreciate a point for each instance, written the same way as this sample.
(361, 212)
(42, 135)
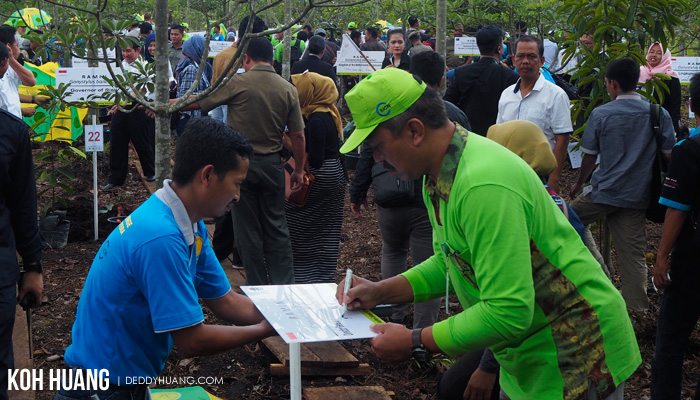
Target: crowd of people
(481, 215)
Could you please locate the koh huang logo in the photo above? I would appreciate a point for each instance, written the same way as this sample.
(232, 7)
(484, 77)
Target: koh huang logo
(383, 109)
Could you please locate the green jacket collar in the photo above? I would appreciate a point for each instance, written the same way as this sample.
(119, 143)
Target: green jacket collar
(442, 188)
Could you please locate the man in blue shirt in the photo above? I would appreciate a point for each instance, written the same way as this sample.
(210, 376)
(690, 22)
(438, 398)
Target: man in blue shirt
(141, 294)
(621, 133)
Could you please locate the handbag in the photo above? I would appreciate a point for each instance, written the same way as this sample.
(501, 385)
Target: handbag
(657, 212)
(297, 197)
(390, 191)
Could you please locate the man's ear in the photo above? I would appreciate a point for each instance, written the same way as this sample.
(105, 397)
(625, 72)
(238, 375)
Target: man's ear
(417, 131)
(207, 174)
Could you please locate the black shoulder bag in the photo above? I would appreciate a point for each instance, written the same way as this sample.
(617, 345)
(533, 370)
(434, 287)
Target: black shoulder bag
(655, 211)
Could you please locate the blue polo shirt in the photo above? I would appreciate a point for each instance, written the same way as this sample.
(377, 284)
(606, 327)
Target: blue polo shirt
(144, 282)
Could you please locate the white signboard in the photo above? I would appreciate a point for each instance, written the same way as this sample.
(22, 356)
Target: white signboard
(310, 313)
(85, 81)
(351, 62)
(354, 64)
(82, 63)
(466, 46)
(685, 67)
(94, 138)
(215, 47)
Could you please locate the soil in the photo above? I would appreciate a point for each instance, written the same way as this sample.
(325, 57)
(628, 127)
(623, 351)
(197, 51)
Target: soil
(245, 371)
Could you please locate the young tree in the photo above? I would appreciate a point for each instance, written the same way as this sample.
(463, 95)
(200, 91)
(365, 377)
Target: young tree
(90, 21)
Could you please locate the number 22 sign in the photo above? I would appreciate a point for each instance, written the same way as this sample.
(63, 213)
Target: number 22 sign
(94, 138)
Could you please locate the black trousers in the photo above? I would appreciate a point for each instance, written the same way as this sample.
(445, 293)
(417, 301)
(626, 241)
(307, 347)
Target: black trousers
(137, 128)
(8, 304)
(453, 382)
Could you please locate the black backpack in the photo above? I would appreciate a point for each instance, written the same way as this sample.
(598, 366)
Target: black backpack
(570, 90)
(296, 52)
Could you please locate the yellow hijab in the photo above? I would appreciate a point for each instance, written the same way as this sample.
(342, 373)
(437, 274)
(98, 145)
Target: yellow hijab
(527, 141)
(317, 93)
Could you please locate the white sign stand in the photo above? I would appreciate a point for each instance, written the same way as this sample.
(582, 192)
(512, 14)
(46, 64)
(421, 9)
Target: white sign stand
(352, 61)
(295, 371)
(685, 67)
(466, 46)
(94, 142)
(305, 314)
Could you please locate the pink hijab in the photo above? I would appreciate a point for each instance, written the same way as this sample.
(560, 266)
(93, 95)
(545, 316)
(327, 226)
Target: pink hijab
(646, 72)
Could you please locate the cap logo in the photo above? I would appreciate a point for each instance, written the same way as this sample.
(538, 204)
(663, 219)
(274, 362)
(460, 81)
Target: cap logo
(383, 109)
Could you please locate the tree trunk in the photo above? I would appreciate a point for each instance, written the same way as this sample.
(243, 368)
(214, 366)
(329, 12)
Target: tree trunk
(441, 32)
(161, 94)
(287, 41)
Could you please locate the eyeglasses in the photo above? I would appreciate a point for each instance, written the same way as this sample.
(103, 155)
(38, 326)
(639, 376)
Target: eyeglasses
(463, 265)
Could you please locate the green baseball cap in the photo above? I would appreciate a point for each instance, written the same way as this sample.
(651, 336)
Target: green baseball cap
(382, 95)
(352, 25)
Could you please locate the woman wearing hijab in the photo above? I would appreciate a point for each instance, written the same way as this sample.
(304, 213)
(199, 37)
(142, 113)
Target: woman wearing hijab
(186, 72)
(314, 229)
(150, 54)
(659, 61)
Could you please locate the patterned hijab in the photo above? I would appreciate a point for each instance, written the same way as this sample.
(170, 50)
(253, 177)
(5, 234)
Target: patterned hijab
(192, 51)
(317, 93)
(527, 141)
(646, 72)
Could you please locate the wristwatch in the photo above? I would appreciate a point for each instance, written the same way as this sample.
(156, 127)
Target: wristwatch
(36, 266)
(418, 351)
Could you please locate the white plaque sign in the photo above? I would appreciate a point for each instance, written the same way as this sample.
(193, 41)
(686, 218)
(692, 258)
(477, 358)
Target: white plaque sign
(310, 313)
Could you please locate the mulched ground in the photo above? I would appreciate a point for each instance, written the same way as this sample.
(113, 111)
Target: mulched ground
(245, 371)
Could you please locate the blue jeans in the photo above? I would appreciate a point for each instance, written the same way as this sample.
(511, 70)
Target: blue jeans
(680, 309)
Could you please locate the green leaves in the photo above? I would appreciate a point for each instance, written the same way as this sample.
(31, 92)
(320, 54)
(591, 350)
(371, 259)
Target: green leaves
(623, 28)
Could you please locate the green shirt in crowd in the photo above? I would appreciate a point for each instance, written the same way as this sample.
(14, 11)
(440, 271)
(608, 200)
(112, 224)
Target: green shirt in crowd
(530, 289)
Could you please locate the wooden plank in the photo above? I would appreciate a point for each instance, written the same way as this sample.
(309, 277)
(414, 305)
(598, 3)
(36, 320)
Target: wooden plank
(281, 350)
(347, 393)
(319, 354)
(333, 354)
(283, 370)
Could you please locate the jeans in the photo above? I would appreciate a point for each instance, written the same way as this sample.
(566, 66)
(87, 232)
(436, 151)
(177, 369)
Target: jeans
(678, 316)
(405, 228)
(219, 113)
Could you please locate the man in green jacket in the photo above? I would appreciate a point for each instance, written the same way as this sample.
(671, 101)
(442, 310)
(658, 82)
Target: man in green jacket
(530, 290)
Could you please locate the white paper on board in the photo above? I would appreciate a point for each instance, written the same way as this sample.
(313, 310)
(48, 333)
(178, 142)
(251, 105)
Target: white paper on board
(310, 313)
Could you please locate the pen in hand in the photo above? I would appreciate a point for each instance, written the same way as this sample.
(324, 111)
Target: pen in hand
(348, 284)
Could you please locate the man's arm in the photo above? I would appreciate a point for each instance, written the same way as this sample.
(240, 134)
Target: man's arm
(204, 339)
(25, 76)
(299, 150)
(21, 201)
(34, 99)
(587, 165)
(560, 148)
(235, 308)
(673, 224)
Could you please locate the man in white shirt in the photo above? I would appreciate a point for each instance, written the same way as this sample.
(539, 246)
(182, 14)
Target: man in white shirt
(134, 127)
(535, 99)
(17, 74)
